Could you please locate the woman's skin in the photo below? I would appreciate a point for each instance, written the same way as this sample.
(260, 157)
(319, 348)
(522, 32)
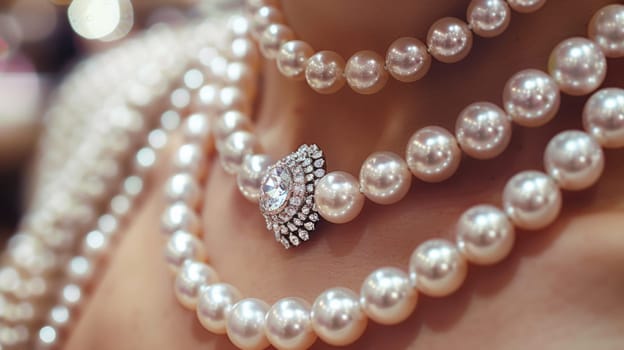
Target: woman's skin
(561, 288)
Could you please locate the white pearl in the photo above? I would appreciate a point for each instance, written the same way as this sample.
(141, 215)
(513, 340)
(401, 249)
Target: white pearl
(483, 130)
(272, 39)
(385, 178)
(574, 159)
(80, 269)
(606, 29)
(338, 198)
(95, 244)
(324, 72)
(190, 158)
(365, 72)
(578, 66)
(263, 17)
(488, 18)
(179, 216)
(235, 148)
(484, 235)
(531, 98)
(437, 268)
(387, 296)
(181, 246)
(532, 200)
(407, 59)
(60, 316)
(234, 98)
(337, 317)
(183, 187)
(526, 6)
(250, 176)
(214, 303)
(191, 275)
(229, 122)
(449, 40)
(603, 117)
(196, 129)
(433, 154)
(292, 59)
(245, 324)
(71, 295)
(288, 325)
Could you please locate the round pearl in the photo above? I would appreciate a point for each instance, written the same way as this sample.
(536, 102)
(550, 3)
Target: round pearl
(526, 6)
(385, 178)
(196, 129)
(483, 130)
(190, 158)
(407, 59)
(214, 303)
(433, 154)
(338, 198)
(578, 66)
(180, 216)
(449, 40)
(293, 57)
(437, 268)
(387, 296)
(191, 275)
(71, 295)
(606, 29)
(250, 176)
(324, 72)
(235, 148)
(603, 117)
(365, 72)
(241, 75)
(337, 317)
(288, 325)
(181, 246)
(484, 235)
(488, 18)
(574, 159)
(183, 187)
(272, 39)
(532, 200)
(531, 98)
(233, 98)
(79, 269)
(244, 50)
(245, 324)
(262, 18)
(229, 122)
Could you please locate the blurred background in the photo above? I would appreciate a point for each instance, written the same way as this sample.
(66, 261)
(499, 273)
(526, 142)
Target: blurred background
(40, 41)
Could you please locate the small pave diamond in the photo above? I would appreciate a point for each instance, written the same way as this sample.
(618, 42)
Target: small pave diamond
(317, 154)
(314, 217)
(309, 177)
(319, 163)
(319, 173)
(305, 211)
(297, 222)
(294, 240)
(285, 242)
(291, 227)
(303, 234)
(309, 226)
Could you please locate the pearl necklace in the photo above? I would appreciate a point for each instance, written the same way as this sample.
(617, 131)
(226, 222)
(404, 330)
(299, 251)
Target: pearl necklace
(485, 234)
(408, 59)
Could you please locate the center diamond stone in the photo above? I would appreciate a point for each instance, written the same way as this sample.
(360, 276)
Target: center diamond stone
(276, 189)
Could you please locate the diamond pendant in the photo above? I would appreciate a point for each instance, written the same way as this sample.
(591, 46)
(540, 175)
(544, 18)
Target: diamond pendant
(287, 195)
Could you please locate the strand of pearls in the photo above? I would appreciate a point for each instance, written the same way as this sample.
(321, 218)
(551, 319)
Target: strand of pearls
(484, 234)
(407, 59)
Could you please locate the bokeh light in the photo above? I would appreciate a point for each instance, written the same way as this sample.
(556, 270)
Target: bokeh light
(104, 20)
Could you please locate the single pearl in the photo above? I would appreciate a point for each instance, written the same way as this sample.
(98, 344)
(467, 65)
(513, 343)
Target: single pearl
(484, 235)
(488, 18)
(214, 304)
(229, 122)
(238, 25)
(437, 268)
(337, 317)
(233, 98)
(324, 72)
(272, 39)
(433, 154)
(531, 98)
(183, 187)
(60, 316)
(262, 18)
(181, 246)
(235, 148)
(288, 325)
(385, 178)
(338, 198)
(245, 324)
(196, 129)
(578, 66)
(293, 57)
(449, 40)
(190, 158)
(606, 29)
(574, 159)
(387, 296)
(244, 50)
(79, 269)
(526, 6)
(191, 275)
(365, 72)
(252, 171)
(180, 216)
(603, 117)
(71, 295)
(407, 59)
(483, 130)
(242, 76)
(532, 200)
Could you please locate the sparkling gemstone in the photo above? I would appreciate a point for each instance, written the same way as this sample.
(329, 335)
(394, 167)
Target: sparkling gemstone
(291, 227)
(285, 242)
(317, 154)
(275, 188)
(309, 226)
(310, 200)
(302, 216)
(319, 163)
(309, 169)
(319, 173)
(310, 188)
(300, 189)
(283, 230)
(303, 234)
(297, 222)
(283, 216)
(306, 162)
(295, 201)
(278, 236)
(314, 217)
(294, 240)
(305, 211)
(309, 177)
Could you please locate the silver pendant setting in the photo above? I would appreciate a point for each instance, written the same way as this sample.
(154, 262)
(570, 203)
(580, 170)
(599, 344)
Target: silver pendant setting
(287, 195)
